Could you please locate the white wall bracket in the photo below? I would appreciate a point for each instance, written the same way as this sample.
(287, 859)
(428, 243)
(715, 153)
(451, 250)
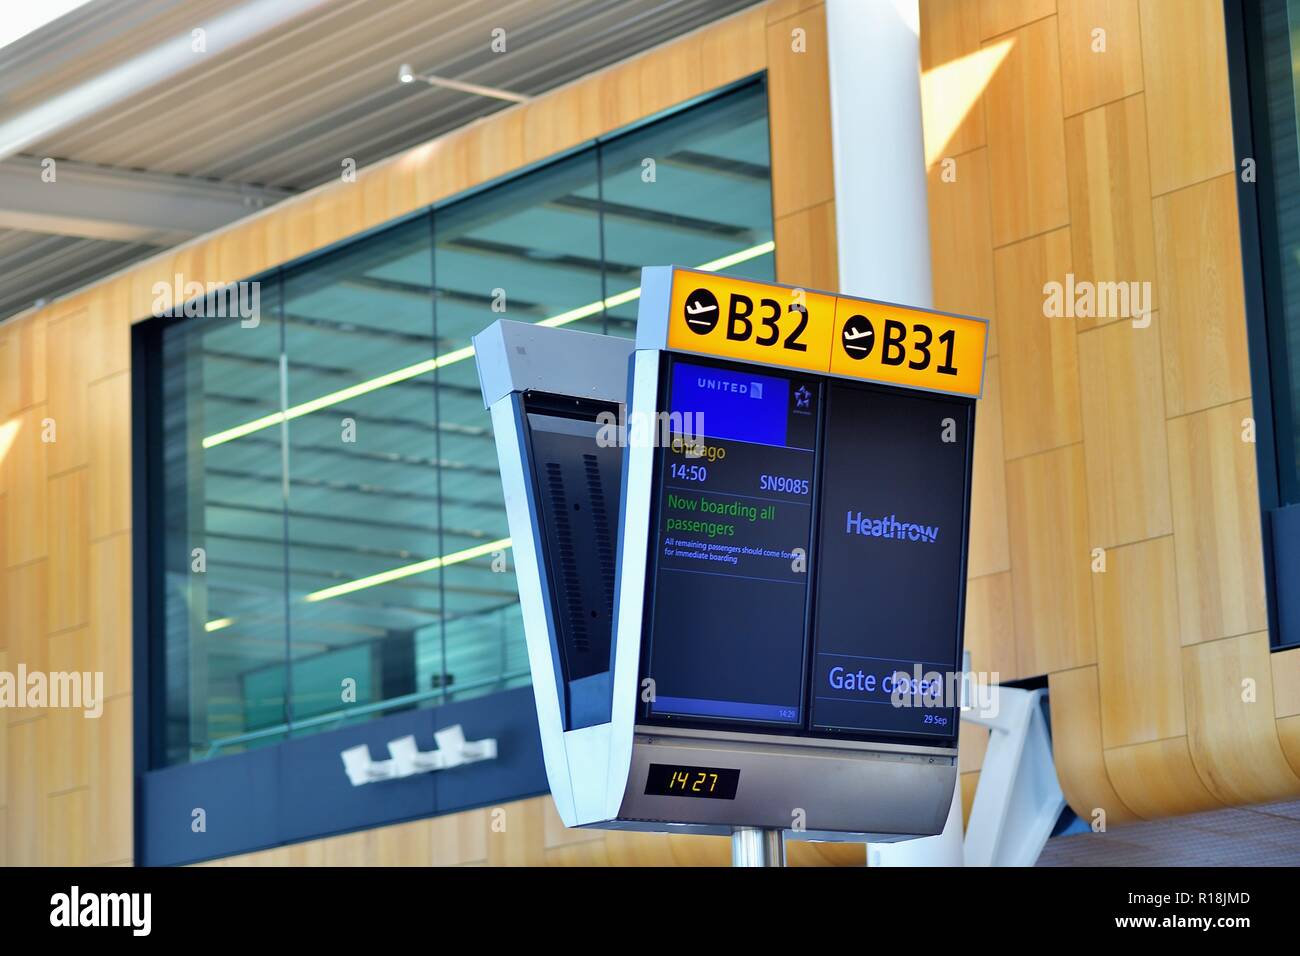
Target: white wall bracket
(1019, 799)
(405, 759)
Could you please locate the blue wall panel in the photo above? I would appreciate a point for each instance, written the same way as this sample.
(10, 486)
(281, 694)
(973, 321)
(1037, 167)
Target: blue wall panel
(297, 790)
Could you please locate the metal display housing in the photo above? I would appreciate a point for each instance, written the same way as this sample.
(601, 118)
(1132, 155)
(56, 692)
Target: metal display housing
(815, 787)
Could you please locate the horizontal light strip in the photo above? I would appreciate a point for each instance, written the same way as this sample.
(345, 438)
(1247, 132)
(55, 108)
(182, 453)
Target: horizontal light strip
(218, 624)
(457, 355)
(395, 574)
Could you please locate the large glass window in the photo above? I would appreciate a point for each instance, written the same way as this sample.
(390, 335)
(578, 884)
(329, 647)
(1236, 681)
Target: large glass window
(1264, 53)
(336, 546)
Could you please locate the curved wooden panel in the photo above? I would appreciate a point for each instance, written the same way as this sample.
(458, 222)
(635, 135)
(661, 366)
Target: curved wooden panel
(1076, 747)
(1286, 683)
(1158, 779)
(1051, 560)
(1124, 435)
(990, 547)
(1288, 733)
(1139, 663)
(1231, 727)
(1038, 356)
(990, 627)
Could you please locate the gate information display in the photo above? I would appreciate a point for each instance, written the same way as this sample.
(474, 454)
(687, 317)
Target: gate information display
(890, 561)
(810, 513)
(735, 515)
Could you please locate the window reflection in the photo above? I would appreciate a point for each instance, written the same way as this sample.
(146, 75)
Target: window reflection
(336, 462)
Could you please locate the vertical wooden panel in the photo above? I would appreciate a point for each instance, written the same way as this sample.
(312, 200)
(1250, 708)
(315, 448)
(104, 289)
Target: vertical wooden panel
(1202, 297)
(25, 791)
(1038, 354)
(69, 541)
(806, 251)
(969, 784)
(495, 148)
(1076, 747)
(1091, 76)
(110, 456)
(1231, 728)
(990, 626)
(990, 548)
(1138, 652)
(110, 612)
(1216, 525)
(69, 728)
(1027, 137)
(672, 73)
(735, 48)
(1286, 683)
(521, 842)
(562, 121)
(1288, 735)
(1110, 202)
(973, 744)
(800, 114)
(67, 352)
(25, 622)
(22, 363)
(65, 829)
(780, 9)
(1185, 73)
(109, 822)
(1050, 561)
(25, 486)
(1124, 434)
(999, 16)
(961, 241)
(950, 30)
(108, 327)
(1157, 779)
(4, 736)
(459, 838)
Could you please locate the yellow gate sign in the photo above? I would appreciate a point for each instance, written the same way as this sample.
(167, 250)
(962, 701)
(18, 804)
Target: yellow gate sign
(750, 321)
(910, 347)
(820, 332)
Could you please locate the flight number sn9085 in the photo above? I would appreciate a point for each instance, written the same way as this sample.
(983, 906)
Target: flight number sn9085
(791, 486)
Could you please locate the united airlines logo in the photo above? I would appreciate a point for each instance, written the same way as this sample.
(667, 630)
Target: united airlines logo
(752, 389)
(888, 526)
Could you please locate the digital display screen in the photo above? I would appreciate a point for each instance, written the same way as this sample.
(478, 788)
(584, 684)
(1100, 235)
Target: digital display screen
(709, 783)
(807, 585)
(734, 491)
(890, 562)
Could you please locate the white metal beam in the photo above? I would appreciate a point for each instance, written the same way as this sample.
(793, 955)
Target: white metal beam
(149, 68)
(99, 202)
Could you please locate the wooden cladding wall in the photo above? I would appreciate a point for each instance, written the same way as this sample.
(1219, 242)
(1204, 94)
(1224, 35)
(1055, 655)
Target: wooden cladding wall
(65, 504)
(1092, 139)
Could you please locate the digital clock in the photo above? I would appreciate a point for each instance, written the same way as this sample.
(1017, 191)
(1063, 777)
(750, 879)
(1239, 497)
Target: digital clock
(711, 783)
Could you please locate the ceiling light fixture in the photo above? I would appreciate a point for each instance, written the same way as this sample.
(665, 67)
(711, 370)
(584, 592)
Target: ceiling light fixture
(407, 75)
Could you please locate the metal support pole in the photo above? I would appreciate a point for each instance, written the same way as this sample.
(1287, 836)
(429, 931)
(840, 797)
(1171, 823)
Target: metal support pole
(756, 846)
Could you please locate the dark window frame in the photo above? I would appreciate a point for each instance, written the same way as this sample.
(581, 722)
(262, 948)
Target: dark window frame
(1264, 300)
